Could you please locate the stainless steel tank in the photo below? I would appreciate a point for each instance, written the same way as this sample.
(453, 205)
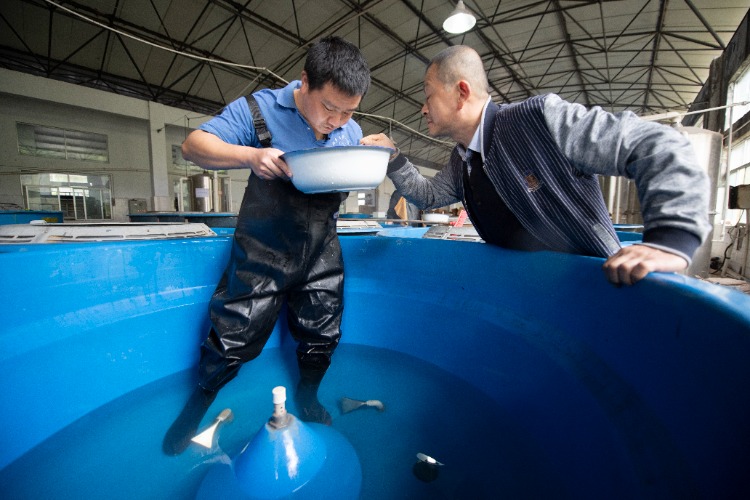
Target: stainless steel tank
(201, 193)
(707, 145)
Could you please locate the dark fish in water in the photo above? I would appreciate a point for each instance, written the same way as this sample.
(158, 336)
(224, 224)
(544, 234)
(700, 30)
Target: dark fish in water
(426, 468)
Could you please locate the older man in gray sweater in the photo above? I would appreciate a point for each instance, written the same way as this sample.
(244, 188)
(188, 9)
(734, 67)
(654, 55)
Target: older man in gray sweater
(526, 172)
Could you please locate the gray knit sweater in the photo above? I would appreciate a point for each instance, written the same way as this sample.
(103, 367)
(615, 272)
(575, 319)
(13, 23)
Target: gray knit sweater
(672, 186)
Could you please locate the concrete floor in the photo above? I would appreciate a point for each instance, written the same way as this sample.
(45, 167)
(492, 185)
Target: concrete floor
(736, 284)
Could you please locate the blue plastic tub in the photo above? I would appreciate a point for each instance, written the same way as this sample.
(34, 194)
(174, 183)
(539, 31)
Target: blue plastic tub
(355, 216)
(147, 217)
(629, 237)
(399, 231)
(26, 216)
(657, 372)
(211, 219)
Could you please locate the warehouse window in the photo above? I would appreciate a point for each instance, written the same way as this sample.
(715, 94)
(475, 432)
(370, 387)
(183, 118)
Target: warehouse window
(79, 197)
(177, 158)
(739, 163)
(739, 174)
(740, 93)
(181, 166)
(53, 142)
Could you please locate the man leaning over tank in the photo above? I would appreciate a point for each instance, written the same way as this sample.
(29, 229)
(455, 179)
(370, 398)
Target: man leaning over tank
(526, 172)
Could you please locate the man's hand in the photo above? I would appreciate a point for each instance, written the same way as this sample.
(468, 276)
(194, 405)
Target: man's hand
(378, 140)
(634, 262)
(209, 151)
(268, 165)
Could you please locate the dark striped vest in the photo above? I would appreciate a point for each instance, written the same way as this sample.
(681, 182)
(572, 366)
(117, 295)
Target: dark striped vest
(555, 202)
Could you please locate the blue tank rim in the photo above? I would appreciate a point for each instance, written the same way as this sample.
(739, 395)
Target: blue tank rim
(723, 298)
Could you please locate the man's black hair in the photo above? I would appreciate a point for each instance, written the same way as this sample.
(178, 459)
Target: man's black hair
(335, 60)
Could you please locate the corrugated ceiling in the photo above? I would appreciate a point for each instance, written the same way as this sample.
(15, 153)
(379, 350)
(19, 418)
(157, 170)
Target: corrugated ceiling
(647, 56)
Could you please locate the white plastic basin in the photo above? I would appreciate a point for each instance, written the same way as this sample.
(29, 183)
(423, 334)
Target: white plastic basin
(343, 168)
(435, 217)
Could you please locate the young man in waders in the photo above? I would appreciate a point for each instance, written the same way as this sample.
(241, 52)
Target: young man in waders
(285, 246)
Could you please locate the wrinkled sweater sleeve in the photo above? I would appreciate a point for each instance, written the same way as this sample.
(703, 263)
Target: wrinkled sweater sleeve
(427, 192)
(673, 188)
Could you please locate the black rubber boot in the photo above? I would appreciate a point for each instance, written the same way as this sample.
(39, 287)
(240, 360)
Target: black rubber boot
(306, 397)
(185, 427)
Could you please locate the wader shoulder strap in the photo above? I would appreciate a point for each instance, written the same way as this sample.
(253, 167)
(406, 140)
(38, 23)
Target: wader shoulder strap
(264, 135)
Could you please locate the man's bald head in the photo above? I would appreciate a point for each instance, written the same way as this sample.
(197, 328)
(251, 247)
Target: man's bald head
(461, 62)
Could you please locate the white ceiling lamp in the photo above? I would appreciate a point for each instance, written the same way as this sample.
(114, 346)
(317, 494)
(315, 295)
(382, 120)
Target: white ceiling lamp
(460, 20)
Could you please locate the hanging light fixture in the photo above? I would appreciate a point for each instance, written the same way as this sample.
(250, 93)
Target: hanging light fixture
(460, 20)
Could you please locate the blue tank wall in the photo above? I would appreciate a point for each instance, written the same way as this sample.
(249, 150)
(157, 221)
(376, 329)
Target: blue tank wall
(83, 324)
(658, 370)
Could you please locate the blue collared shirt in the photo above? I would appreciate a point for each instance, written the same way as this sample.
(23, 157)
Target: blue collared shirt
(289, 129)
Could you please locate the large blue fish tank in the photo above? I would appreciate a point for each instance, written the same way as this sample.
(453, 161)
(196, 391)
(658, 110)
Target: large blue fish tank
(499, 374)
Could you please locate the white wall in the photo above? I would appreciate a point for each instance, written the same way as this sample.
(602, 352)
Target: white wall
(128, 163)
(140, 136)
(137, 169)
